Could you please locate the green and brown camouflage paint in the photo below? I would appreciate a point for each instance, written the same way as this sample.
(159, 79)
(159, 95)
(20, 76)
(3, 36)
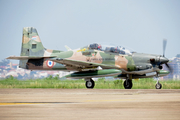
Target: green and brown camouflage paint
(40, 58)
(33, 47)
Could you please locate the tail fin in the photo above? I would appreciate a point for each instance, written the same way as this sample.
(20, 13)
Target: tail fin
(32, 48)
(31, 45)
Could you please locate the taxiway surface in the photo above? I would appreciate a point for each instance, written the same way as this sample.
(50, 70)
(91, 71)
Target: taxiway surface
(90, 104)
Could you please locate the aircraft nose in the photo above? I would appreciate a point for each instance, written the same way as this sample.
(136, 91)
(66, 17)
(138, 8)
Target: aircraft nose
(163, 60)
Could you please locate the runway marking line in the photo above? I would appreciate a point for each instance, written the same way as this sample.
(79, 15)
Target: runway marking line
(31, 103)
(20, 103)
(116, 100)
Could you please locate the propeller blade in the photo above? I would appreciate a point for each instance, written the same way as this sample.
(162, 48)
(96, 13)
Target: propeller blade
(164, 46)
(170, 69)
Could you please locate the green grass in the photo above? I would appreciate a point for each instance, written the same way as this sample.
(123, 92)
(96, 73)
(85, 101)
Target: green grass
(102, 83)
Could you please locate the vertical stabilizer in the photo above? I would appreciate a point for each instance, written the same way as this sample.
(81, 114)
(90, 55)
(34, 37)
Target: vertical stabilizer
(31, 45)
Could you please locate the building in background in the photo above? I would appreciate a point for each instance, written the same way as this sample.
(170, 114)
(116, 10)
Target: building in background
(23, 74)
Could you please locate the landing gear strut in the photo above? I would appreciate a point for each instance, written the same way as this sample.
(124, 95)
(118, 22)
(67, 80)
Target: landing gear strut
(90, 84)
(158, 85)
(128, 82)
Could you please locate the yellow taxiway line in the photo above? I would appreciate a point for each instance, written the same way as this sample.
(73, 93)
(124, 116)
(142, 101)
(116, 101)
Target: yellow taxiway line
(20, 103)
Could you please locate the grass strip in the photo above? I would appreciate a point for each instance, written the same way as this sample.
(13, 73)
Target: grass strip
(101, 83)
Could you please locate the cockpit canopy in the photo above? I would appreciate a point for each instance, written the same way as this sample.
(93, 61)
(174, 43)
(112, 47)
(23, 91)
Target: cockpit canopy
(108, 48)
(95, 46)
(114, 50)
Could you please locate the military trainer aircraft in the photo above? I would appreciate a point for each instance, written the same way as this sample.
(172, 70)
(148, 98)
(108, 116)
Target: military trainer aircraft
(91, 61)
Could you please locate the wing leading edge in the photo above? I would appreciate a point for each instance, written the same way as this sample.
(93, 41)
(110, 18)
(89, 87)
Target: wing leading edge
(28, 57)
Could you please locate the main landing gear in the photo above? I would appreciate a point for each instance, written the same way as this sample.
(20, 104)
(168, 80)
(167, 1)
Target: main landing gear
(90, 83)
(128, 82)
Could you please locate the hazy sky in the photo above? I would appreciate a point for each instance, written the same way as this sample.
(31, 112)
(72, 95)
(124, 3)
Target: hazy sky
(138, 24)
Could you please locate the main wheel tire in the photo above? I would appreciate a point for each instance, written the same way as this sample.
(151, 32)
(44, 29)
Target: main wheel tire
(90, 84)
(128, 84)
(158, 86)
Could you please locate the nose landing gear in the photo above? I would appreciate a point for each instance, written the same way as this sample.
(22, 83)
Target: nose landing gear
(158, 85)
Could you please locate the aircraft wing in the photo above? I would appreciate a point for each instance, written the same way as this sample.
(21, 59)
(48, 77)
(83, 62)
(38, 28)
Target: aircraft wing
(82, 64)
(87, 65)
(27, 57)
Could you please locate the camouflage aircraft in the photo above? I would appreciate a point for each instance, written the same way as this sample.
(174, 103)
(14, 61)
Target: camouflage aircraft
(91, 61)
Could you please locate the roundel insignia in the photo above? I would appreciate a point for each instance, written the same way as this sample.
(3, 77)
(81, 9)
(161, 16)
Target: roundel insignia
(49, 63)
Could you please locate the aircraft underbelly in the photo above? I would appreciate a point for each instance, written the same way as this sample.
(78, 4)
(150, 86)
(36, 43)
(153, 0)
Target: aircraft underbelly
(91, 74)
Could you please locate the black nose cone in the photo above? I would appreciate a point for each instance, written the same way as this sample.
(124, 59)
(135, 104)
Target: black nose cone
(163, 60)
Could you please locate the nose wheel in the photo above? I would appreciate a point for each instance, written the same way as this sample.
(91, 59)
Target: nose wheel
(90, 84)
(158, 85)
